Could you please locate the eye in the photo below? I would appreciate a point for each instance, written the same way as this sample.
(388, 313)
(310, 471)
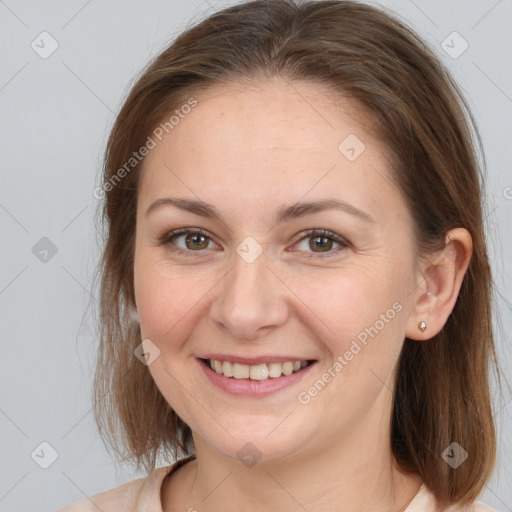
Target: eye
(323, 239)
(196, 239)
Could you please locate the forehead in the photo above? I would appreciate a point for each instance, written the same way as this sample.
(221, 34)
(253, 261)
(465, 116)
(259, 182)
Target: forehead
(277, 138)
(275, 114)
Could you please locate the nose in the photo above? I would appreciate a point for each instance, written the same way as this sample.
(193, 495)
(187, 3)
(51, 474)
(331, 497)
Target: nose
(251, 300)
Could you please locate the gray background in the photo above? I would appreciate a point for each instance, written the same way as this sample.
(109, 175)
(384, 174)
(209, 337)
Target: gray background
(55, 115)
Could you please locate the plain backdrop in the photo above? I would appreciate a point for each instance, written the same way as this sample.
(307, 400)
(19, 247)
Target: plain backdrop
(65, 68)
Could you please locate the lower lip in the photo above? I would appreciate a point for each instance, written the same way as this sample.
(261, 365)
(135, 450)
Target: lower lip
(253, 388)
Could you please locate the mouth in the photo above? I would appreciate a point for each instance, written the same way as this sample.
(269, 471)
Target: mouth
(256, 380)
(256, 372)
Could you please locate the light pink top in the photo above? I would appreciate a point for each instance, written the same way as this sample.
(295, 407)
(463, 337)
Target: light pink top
(143, 495)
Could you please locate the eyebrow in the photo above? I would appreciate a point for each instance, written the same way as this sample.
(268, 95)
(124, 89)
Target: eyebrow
(283, 214)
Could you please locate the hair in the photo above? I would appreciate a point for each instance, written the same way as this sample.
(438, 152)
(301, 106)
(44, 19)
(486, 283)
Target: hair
(442, 393)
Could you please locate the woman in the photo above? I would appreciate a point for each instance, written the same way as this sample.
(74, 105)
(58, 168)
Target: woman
(295, 288)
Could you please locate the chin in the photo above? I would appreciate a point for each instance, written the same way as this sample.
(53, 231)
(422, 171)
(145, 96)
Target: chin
(254, 440)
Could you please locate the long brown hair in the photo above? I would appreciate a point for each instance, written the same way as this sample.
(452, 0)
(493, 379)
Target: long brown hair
(442, 392)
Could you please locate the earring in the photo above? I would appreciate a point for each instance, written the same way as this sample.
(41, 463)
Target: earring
(422, 326)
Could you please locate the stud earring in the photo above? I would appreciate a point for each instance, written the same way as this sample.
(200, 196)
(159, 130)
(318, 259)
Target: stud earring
(422, 326)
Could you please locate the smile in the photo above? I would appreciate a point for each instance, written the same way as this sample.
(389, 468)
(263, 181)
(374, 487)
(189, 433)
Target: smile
(256, 380)
(255, 372)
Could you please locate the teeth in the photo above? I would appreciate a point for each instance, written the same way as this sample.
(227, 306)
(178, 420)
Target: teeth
(241, 371)
(274, 369)
(258, 371)
(287, 368)
(227, 369)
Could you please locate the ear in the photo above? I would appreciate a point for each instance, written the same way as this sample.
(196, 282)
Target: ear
(438, 283)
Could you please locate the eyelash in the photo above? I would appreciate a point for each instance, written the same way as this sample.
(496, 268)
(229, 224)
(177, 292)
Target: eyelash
(168, 238)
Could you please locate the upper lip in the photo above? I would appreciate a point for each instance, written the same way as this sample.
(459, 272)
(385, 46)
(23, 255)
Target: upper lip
(253, 360)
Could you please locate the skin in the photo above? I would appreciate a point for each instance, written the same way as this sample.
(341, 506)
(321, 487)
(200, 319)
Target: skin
(249, 151)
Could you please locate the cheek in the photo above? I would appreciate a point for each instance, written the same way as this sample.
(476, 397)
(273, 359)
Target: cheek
(346, 301)
(167, 296)
(336, 304)
(365, 315)
(166, 306)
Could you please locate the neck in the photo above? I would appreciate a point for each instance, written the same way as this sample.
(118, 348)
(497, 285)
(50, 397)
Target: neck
(356, 474)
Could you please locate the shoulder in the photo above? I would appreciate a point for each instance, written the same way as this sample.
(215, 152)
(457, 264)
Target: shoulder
(129, 497)
(476, 506)
(425, 501)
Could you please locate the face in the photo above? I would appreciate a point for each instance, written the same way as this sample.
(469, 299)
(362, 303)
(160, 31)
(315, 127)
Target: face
(265, 283)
